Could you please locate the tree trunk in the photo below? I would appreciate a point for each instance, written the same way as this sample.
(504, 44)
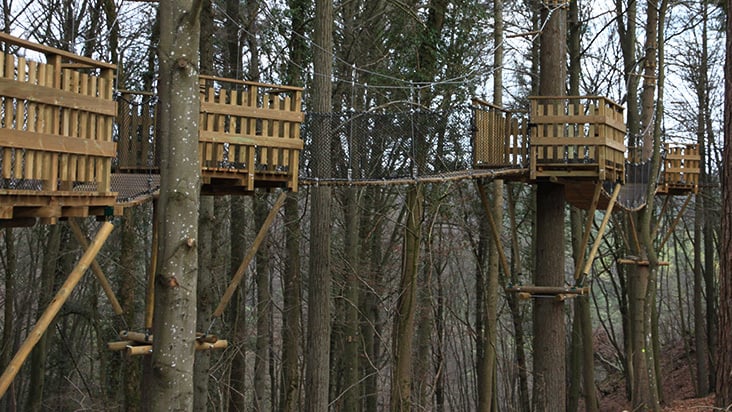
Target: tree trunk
(517, 318)
(724, 341)
(40, 351)
(403, 333)
(238, 312)
(174, 326)
(319, 294)
(264, 308)
(206, 248)
(291, 317)
(351, 328)
(8, 345)
(129, 256)
(290, 393)
(549, 326)
(205, 301)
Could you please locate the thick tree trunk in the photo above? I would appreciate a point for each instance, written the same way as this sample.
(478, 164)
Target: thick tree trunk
(486, 347)
(174, 327)
(549, 325)
(317, 376)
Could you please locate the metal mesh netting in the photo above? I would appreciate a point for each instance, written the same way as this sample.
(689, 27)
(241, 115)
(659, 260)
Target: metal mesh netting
(368, 146)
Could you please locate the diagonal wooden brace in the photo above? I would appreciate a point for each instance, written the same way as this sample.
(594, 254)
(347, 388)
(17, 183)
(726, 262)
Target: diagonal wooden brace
(239, 275)
(54, 307)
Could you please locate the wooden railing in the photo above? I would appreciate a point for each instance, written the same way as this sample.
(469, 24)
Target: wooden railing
(577, 137)
(251, 130)
(55, 121)
(499, 137)
(56, 145)
(249, 134)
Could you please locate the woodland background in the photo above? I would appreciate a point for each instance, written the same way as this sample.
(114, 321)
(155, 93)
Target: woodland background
(342, 261)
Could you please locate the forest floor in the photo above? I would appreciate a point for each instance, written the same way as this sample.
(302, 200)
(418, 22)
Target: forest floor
(678, 386)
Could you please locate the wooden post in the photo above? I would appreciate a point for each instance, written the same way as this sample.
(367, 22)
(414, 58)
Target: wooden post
(98, 272)
(601, 231)
(590, 218)
(675, 222)
(250, 255)
(150, 292)
(53, 308)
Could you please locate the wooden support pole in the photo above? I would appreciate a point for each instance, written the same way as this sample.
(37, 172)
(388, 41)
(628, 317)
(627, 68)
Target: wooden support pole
(53, 308)
(120, 345)
(98, 272)
(136, 336)
(675, 222)
(494, 228)
(589, 220)
(249, 256)
(133, 350)
(639, 262)
(548, 290)
(150, 292)
(601, 230)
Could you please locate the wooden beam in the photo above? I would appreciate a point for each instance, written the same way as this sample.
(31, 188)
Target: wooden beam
(53, 308)
(53, 51)
(639, 262)
(98, 272)
(120, 345)
(548, 290)
(589, 220)
(249, 256)
(151, 270)
(601, 231)
(136, 350)
(46, 142)
(48, 95)
(675, 222)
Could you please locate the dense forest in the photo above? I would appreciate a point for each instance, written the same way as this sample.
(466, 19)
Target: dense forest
(382, 282)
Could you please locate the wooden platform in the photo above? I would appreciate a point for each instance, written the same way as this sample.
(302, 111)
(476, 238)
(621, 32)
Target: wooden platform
(56, 146)
(576, 138)
(63, 132)
(249, 135)
(680, 170)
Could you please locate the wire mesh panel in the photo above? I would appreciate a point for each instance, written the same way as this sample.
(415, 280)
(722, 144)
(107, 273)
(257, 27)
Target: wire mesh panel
(577, 137)
(409, 144)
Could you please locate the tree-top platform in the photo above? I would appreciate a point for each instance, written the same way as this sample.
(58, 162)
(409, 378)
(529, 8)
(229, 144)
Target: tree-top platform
(65, 134)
